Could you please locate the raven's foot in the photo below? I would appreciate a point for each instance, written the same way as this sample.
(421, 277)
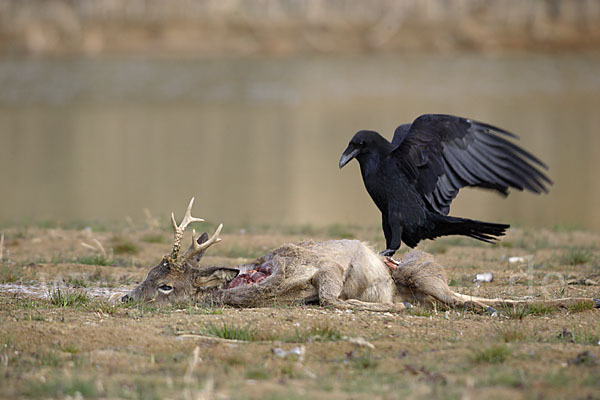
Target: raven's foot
(387, 253)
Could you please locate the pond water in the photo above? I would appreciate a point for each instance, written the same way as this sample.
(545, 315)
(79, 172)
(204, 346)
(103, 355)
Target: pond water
(257, 141)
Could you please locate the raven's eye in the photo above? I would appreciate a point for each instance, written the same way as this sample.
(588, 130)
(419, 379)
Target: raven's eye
(165, 289)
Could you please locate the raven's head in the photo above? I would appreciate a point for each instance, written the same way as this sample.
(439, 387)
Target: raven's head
(361, 144)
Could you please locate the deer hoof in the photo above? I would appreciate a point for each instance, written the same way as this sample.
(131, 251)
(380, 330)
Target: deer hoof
(407, 305)
(126, 299)
(596, 303)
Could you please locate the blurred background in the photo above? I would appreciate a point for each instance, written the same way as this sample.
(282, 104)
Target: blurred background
(111, 107)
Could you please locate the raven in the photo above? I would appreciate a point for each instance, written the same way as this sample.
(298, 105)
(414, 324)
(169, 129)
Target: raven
(413, 179)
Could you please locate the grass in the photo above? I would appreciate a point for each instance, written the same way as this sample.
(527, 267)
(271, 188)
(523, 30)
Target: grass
(512, 333)
(364, 360)
(580, 307)
(231, 332)
(67, 298)
(318, 333)
(99, 260)
(10, 273)
(577, 256)
(96, 259)
(256, 373)
(154, 238)
(61, 347)
(494, 354)
(121, 245)
(520, 311)
(338, 231)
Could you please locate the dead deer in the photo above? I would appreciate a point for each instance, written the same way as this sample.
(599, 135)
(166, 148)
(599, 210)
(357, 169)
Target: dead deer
(344, 274)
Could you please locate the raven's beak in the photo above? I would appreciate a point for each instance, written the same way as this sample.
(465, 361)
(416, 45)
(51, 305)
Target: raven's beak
(348, 155)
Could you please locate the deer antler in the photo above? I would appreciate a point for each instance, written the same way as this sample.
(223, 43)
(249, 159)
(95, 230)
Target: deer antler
(179, 229)
(198, 248)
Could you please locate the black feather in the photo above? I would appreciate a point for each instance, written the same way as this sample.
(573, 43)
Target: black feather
(414, 179)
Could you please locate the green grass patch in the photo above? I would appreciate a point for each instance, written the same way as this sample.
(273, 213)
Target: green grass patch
(540, 309)
(154, 238)
(77, 281)
(421, 312)
(256, 373)
(581, 306)
(512, 333)
(495, 354)
(96, 259)
(67, 298)
(319, 333)
(502, 377)
(577, 256)
(520, 311)
(10, 273)
(339, 231)
(231, 332)
(364, 360)
(124, 246)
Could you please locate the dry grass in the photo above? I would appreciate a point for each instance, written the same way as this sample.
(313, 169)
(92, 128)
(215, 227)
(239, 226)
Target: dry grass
(71, 344)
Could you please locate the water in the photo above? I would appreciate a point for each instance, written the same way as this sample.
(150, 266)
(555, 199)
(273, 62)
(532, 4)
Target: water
(258, 141)
(45, 291)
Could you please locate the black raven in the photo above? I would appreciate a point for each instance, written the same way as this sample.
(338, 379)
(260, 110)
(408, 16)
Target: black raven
(413, 179)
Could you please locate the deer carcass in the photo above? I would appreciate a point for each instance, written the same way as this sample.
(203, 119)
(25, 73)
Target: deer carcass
(338, 273)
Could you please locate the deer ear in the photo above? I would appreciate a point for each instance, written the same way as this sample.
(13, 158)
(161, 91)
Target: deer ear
(203, 238)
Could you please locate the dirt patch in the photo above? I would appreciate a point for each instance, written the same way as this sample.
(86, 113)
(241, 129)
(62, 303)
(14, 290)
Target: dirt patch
(78, 344)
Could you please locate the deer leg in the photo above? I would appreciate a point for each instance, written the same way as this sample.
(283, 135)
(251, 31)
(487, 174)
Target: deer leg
(565, 302)
(329, 282)
(421, 278)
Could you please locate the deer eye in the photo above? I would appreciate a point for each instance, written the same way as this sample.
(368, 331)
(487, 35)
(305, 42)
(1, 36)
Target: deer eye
(165, 289)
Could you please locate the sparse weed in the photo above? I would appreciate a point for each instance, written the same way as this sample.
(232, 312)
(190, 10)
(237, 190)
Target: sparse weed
(339, 231)
(511, 333)
(67, 298)
(364, 360)
(494, 354)
(520, 311)
(154, 238)
(231, 332)
(538, 309)
(503, 377)
(124, 246)
(256, 373)
(77, 281)
(319, 333)
(421, 312)
(93, 260)
(577, 256)
(10, 273)
(580, 307)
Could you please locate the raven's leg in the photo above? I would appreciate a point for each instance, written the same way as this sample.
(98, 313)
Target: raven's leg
(393, 235)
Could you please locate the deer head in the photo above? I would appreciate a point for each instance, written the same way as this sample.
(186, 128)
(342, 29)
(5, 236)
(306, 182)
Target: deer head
(178, 277)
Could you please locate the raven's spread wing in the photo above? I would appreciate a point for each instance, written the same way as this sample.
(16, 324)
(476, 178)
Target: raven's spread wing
(441, 154)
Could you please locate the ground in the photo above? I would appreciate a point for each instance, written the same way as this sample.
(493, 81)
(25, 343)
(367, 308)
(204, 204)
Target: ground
(58, 339)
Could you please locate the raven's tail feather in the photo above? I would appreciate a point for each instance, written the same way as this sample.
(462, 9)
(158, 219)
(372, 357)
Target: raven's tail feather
(484, 231)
